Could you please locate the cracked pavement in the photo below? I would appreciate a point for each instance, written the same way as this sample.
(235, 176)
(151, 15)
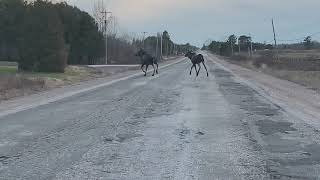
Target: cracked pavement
(171, 126)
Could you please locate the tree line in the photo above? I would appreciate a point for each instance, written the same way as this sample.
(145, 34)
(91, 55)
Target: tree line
(308, 44)
(242, 44)
(234, 44)
(152, 45)
(43, 36)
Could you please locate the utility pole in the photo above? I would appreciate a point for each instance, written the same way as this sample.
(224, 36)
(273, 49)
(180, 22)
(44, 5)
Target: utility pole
(251, 51)
(231, 45)
(239, 46)
(114, 25)
(275, 39)
(167, 48)
(144, 36)
(161, 44)
(157, 45)
(105, 14)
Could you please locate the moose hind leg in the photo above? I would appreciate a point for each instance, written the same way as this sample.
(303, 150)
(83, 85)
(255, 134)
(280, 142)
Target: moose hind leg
(191, 69)
(145, 73)
(205, 68)
(142, 68)
(199, 69)
(157, 71)
(154, 70)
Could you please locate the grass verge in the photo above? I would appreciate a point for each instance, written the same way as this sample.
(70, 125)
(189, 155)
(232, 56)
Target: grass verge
(15, 84)
(8, 69)
(307, 78)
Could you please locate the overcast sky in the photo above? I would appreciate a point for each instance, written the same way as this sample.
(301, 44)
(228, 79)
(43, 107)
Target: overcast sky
(196, 21)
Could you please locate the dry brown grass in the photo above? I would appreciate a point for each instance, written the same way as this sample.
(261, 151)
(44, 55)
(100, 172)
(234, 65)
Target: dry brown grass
(12, 85)
(301, 67)
(15, 84)
(305, 54)
(310, 79)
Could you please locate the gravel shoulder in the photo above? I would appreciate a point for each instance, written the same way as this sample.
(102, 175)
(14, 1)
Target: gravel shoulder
(296, 99)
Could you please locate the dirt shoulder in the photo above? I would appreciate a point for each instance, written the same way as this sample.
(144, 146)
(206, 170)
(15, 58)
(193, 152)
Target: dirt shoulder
(296, 99)
(303, 71)
(15, 84)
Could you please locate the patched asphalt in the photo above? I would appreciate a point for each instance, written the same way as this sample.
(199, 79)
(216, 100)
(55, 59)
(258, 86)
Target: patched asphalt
(171, 126)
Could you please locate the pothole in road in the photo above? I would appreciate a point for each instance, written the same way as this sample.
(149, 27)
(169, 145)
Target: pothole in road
(4, 160)
(135, 123)
(200, 133)
(268, 127)
(108, 139)
(244, 96)
(221, 73)
(183, 133)
(265, 111)
(313, 151)
(121, 138)
(310, 156)
(124, 137)
(276, 144)
(280, 141)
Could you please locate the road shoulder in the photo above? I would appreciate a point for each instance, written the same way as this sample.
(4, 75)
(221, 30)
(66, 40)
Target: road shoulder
(293, 98)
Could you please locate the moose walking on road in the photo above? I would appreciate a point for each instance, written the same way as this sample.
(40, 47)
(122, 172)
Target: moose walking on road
(146, 60)
(196, 60)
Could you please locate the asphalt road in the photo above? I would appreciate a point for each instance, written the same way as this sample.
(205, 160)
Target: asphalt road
(171, 126)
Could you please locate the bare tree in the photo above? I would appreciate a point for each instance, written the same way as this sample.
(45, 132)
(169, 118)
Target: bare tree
(98, 8)
(113, 25)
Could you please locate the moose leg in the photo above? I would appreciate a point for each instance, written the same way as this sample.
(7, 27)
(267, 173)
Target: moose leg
(199, 69)
(192, 68)
(142, 68)
(157, 68)
(205, 68)
(154, 70)
(145, 73)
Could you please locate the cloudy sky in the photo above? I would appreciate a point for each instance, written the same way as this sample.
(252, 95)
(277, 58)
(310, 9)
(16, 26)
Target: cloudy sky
(197, 21)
